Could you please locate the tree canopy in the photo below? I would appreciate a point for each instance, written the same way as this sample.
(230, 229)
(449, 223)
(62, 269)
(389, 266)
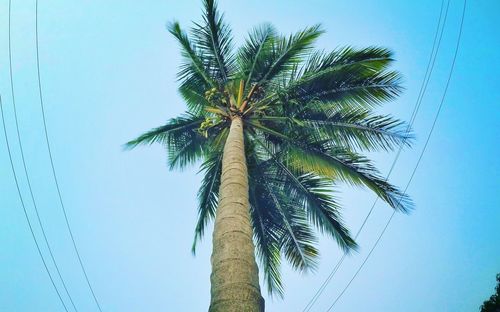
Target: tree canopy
(308, 118)
(493, 304)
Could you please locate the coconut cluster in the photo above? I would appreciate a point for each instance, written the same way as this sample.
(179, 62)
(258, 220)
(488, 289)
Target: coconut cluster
(205, 125)
(214, 96)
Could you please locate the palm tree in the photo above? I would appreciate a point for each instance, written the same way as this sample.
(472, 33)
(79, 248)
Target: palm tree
(275, 125)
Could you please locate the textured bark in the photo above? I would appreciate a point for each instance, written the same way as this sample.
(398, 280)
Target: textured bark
(235, 276)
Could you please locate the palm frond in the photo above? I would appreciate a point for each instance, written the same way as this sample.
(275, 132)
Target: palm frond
(175, 126)
(358, 129)
(308, 154)
(298, 242)
(253, 56)
(194, 66)
(208, 194)
(184, 144)
(286, 53)
(373, 58)
(345, 127)
(297, 239)
(314, 194)
(349, 167)
(214, 38)
(185, 149)
(267, 236)
(267, 228)
(192, 91)
(194, 73)
(348, 86)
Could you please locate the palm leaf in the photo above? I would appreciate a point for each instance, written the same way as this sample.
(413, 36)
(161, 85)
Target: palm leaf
(179, 126)
(373, 58)
(297, 239)
(213, 36)
(253, 56)
(314, 197)
(194, 73)
(287, 52)
(208, 195)
(267, 241)
(194, 66)
(351, 87)
(338, 163)
(351, 128)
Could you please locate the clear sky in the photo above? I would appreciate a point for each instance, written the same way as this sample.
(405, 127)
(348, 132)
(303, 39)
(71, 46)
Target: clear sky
(108, 73)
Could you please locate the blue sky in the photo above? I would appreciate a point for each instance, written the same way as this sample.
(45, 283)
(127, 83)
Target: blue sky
(108, 73)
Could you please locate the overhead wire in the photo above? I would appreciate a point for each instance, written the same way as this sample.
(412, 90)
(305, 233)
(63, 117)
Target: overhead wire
(418, 161)
(18, 133)
(54, 175)
(30, 226)
(428, 72)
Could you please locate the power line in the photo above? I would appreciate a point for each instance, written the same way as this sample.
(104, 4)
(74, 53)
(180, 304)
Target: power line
(56, 181)
(25, 166)
(418, 161)
(416, 108)
(24, 207)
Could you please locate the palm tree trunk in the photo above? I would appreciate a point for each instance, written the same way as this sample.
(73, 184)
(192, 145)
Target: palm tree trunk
(235, 276)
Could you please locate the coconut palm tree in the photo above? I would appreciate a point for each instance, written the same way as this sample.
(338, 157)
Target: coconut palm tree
(275, 125)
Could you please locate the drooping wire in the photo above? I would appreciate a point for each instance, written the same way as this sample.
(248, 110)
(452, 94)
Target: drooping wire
(418, 161)
(56, 181)
(24, 208)
(25, 166)
(428, 72)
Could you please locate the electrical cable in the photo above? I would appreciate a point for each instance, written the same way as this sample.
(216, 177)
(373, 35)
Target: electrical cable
(418, 161)
(25, 166)
(24, 208)
(56, 181)
(416, 108)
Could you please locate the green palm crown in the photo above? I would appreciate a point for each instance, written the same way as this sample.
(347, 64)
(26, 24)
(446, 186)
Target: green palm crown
(307, 115)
